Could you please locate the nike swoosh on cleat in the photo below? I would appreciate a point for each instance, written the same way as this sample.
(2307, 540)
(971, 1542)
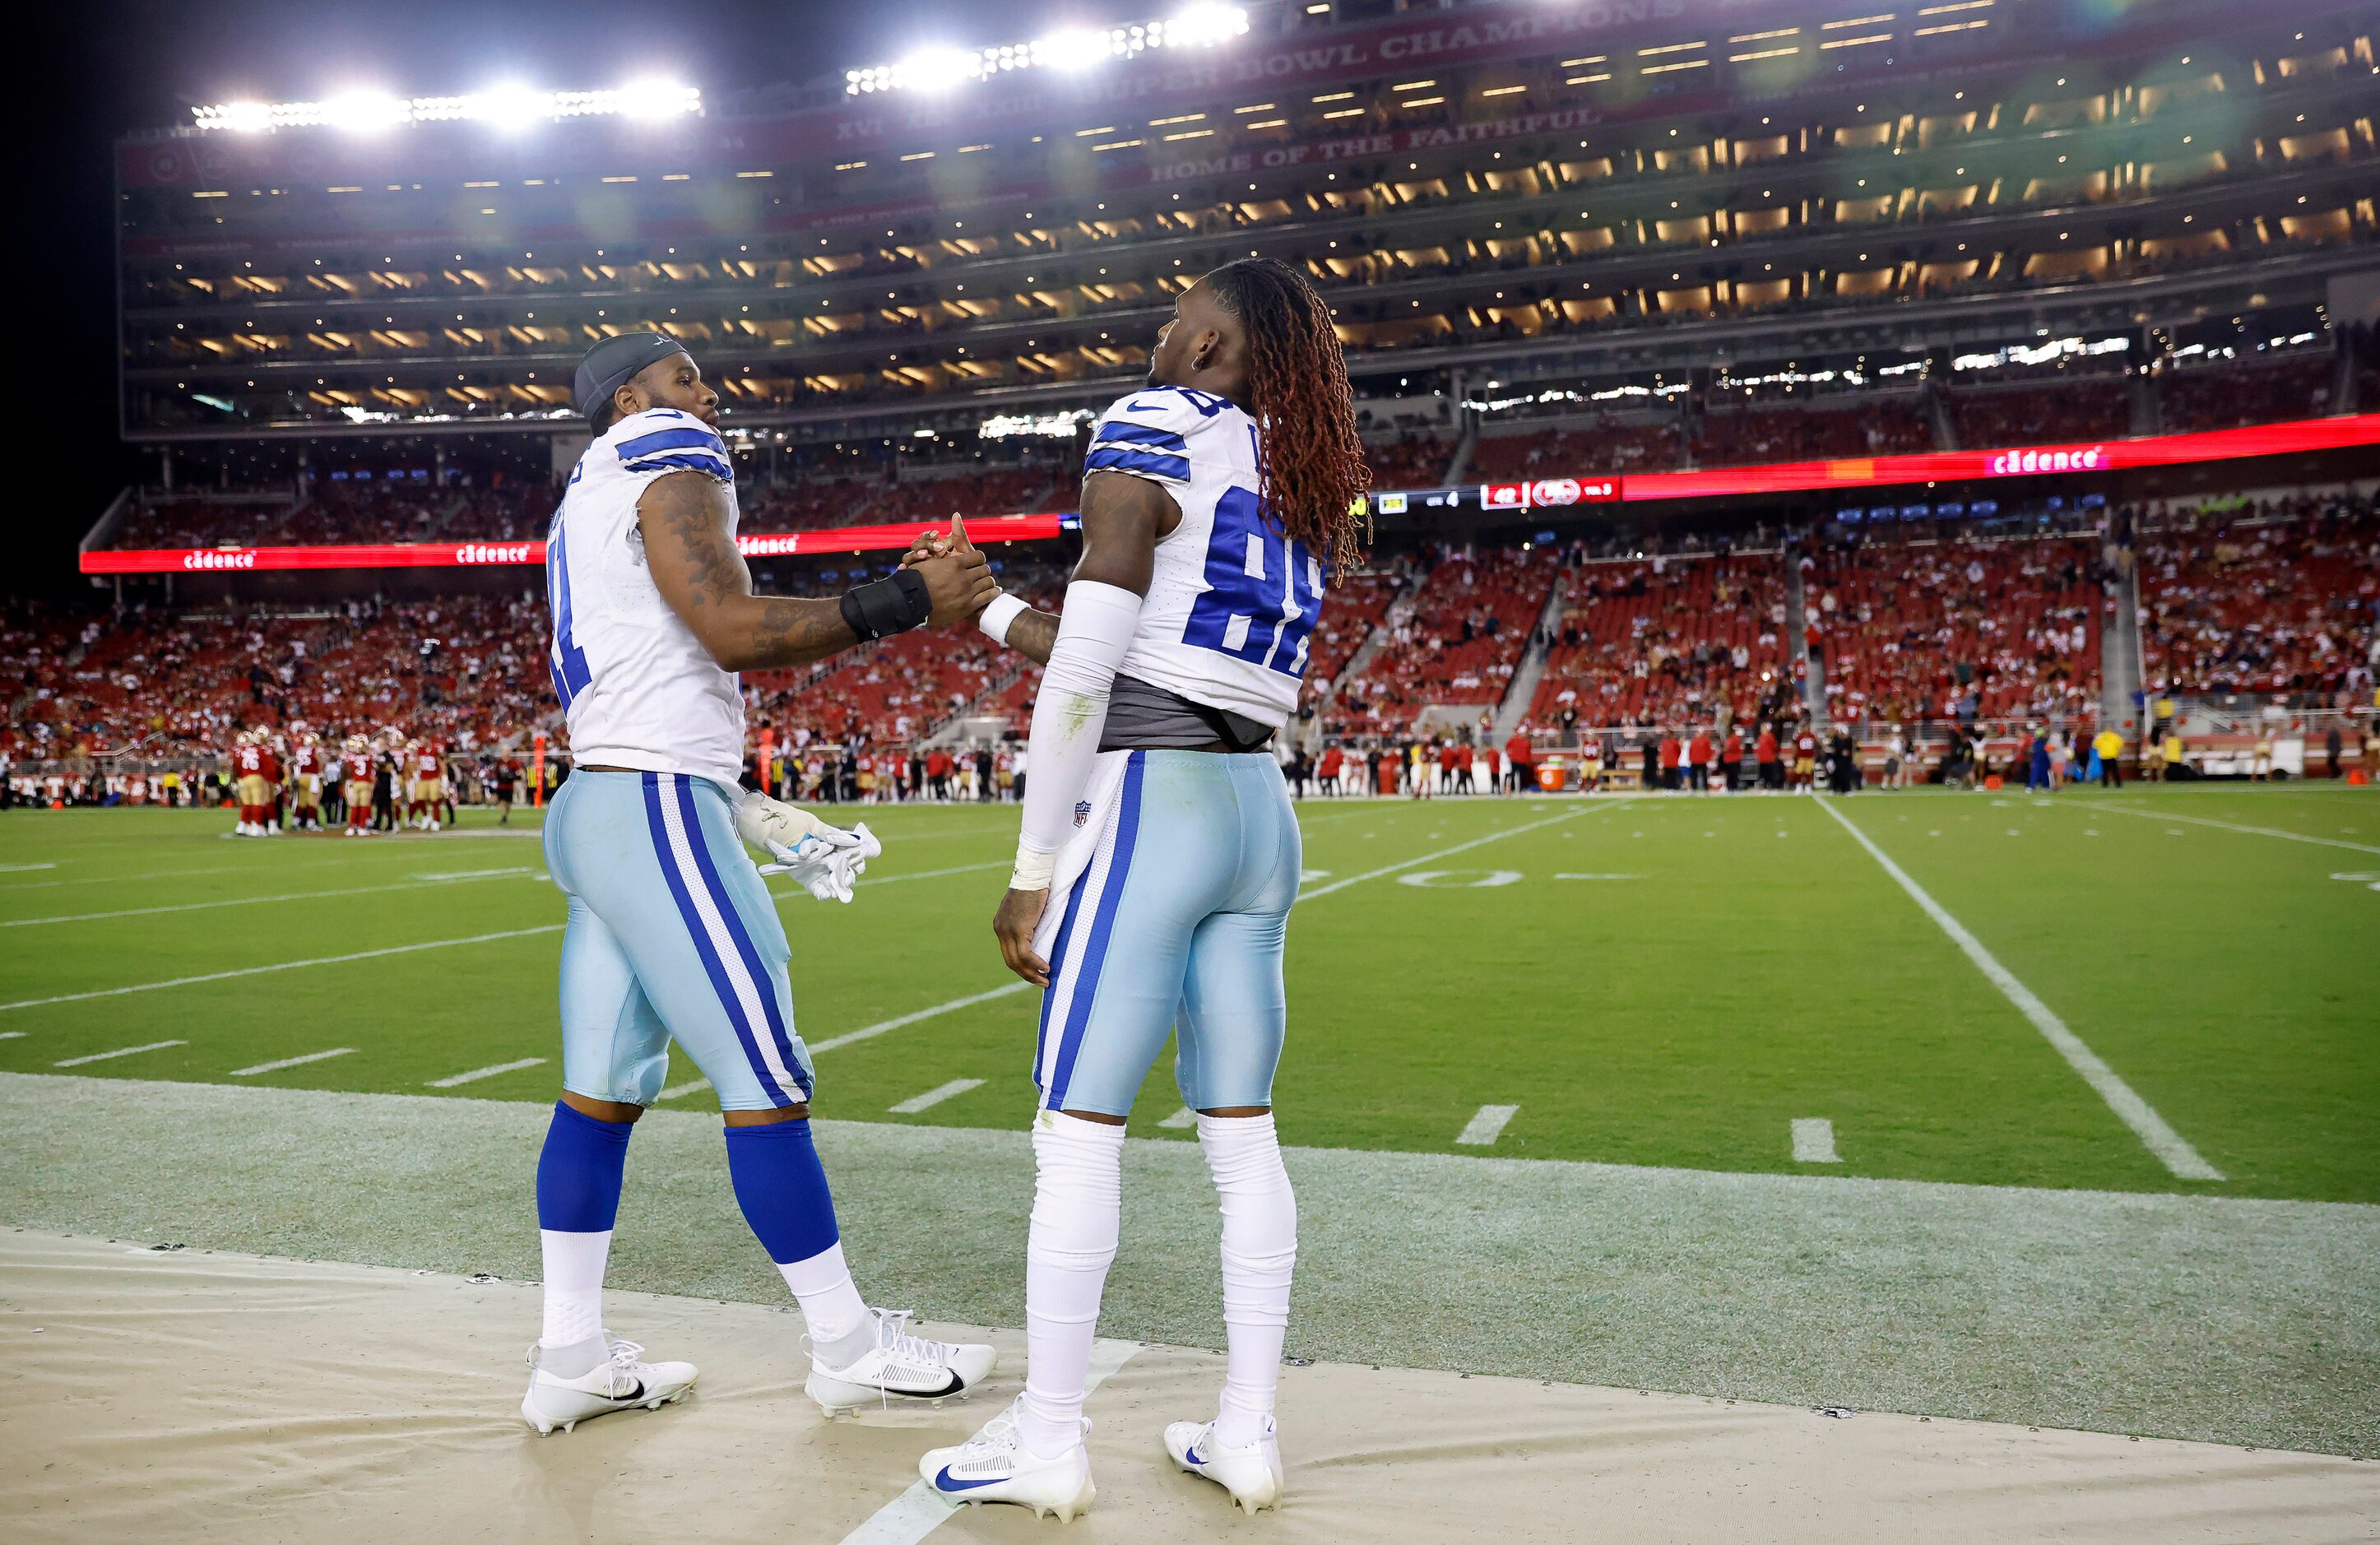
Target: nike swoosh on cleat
(637, 1394)
(948, 1482)
(955, 1386)
(1193, 1456)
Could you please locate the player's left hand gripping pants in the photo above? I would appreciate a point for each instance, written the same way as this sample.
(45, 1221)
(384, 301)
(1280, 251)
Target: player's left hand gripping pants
(671, 936)
(1178, 922)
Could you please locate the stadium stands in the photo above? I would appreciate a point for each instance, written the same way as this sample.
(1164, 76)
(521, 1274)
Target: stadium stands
(1877, 426)
(2042, 412)
(2274, 597)
(2251, 392)
(1454, 644)
(1409, 460)
(1964, 628)
(1612, 444)
(1665, 642)
(467, 672)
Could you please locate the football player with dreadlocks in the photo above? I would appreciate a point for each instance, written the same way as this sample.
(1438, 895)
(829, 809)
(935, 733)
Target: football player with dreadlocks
(1160, 855)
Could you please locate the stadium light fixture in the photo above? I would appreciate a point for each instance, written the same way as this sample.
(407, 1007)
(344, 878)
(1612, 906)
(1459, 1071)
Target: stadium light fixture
(503, 107)
(1200, 26)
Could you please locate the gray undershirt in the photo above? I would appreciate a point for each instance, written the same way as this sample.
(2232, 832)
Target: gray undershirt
(1146, 718)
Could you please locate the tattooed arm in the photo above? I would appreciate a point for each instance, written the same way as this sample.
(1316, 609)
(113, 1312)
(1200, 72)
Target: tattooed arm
(703, 576)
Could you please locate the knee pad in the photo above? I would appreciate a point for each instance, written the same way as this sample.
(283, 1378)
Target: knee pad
(1078, 1194)
(1260, 1212)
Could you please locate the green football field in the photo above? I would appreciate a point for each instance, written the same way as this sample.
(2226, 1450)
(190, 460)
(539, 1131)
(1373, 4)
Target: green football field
(2134, 992)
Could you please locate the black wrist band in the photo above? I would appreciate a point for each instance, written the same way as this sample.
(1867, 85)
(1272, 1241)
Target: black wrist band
(888, 606)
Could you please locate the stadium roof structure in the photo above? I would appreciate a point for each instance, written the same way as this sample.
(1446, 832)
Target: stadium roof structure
(1556, 195)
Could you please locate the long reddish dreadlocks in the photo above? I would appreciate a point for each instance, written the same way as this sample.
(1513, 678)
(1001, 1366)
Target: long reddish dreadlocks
(1311, 460)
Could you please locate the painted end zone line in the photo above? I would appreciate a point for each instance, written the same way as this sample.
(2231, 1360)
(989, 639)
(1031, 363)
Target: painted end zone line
(285, 966)
(2130, 1109)
(1449, 852)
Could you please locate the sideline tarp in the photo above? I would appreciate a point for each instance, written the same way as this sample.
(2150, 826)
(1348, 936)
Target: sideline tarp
(189, 1395)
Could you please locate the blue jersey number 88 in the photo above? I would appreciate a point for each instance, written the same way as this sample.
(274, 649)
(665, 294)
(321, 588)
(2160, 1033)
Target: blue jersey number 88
(1262, 599)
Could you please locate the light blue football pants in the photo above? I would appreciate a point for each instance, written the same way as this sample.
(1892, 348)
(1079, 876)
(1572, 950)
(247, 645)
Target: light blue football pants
(1177, 924)
(671, 936)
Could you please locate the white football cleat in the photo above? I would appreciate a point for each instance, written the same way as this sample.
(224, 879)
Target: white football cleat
(1252, 1475)
(995, 1467)
(621, 1381)
(899, 1363)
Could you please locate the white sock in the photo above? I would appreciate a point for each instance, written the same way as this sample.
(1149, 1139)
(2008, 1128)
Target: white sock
(1077, 1213)
(1260, 1254)
(830, 1300)
(574, 1286)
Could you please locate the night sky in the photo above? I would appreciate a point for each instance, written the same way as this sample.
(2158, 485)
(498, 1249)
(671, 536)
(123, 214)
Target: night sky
(106, 69)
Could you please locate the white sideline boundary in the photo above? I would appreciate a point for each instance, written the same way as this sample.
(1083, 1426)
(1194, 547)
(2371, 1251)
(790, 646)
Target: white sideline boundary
(257, 901)
(2135, 1112)
(282, 965)
(917, 1513)
(1322, 891)
(2235, 826)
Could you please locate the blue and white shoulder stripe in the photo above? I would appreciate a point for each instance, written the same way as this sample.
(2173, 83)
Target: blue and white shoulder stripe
(663, 439)
(1147, 434)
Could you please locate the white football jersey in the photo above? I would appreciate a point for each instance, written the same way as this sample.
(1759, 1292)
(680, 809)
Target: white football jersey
(638, 687)
(1231, 601)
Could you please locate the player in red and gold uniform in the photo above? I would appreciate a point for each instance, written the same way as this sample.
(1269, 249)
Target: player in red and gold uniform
(356, 771)
(253, 767)
(306, 782)
(427, 772)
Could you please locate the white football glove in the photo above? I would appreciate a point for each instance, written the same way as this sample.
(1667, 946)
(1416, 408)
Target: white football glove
(824, 860)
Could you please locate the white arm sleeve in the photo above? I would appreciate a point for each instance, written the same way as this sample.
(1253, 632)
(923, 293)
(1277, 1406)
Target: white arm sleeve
(1094, 629)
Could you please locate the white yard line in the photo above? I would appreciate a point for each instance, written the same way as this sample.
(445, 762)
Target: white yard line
(1487, 1125)
(935, 1096)
(12, 1035)
(1420, 860)
(311, 863)
(19, 868)
(679, 1091)
(284, 966)
(1180, 1120)
(254, 901)
(2234, 826)
(867, 1031)
(120, 1052)
(895, 879)
(918, 1511)
(293, 1062)
(1814, 1141)
(937, 874)
(2130, 1109)
(478, 1073)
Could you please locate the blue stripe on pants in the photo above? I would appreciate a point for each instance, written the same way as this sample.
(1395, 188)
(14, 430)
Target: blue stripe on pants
(696, 929)
(761, 980)
(1086, 980)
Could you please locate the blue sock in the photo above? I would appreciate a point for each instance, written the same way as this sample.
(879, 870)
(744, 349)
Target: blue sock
(579, 1173)
(781, 1188)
